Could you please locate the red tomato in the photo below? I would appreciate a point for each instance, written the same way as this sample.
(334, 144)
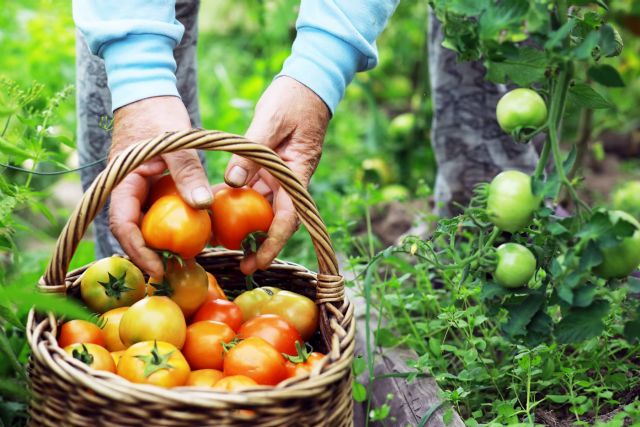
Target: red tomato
(81, 331)
(172, 225)
(274, 330)
(165, 186)
(220, 310)
(215, 291)
(304, 368)
(257, 359)
(203, 345)
(238, 212)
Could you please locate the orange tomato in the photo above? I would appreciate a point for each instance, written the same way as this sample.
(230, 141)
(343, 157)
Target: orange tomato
(215, 291)
(274, 330)
(304, 368)
(154, 362)
(220, 310)
(92, 355)
(172, 225)
(257, 359)
(203, 346)
(80, 331)
(238, 212)
(185, 283)
(111, 328)
(235, 383)
(165, 186)
(116, 355)
(204, 378)
(153, 318)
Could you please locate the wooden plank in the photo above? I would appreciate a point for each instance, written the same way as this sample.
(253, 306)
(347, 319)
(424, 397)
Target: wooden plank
(411, 401)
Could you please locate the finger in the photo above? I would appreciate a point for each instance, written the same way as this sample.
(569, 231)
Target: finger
(248, 265)
(124, 217)
(285, 223)
(190, 178)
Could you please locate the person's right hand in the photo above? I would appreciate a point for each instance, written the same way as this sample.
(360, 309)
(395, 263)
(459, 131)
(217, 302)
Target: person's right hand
(137, 122)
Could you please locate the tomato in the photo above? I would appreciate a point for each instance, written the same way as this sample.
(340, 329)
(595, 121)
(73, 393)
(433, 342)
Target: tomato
(215, 291)
(220, 310)
(204, 378)
(203, 345)
(111, 328)
(516, 265)
(623, 258)
(305, 367)
(186, 284)
(235, 383)
(172, 225)
(165, 186)
(521, 109)
(257, 359)
(238, 212)
(274, 330)
(154, 362)
(80, 331)
(627, 198)
(110, 283)
(296, 309)
(116, 355)
(92, 355)
(153, 318)
(251, 301)
(511, 202)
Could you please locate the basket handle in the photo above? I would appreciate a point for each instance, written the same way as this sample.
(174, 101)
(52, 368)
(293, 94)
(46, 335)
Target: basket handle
(330, 283)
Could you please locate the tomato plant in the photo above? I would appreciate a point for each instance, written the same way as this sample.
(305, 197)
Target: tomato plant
(110, 283)
(220, 310)
(256, 359)
(238, 212)
(185, 282)
(153, 318)
(274, 330)
(172, 225)
(92, 355)
(80, 331)
(203, 347)
(154, 362)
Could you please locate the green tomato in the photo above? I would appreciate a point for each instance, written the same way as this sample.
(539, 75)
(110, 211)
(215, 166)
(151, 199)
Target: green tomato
(516, 265)
(521, 108)
(402, 125)
(627, 198)
(622, 259)
(511, 202)
(111, 283)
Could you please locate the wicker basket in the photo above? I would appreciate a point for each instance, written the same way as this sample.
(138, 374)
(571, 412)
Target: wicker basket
(68, 393)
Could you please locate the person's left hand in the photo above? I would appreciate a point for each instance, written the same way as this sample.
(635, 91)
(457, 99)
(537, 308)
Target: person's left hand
(292, 120)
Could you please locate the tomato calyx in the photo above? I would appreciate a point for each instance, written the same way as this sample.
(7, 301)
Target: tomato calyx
(115, 286)
(227, 346)
(252, 242)
(83, 355)
(167, 256)
(155, 361)
(162, 288)
(303, 353)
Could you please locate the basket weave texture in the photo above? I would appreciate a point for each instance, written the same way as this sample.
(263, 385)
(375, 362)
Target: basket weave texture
(68, 393)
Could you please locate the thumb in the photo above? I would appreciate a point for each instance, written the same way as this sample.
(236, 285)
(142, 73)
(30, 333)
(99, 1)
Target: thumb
(241, 171)
(190, 178)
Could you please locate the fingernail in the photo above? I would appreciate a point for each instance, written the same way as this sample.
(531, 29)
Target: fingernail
(201, 196)
(237, 176)
(262, 188)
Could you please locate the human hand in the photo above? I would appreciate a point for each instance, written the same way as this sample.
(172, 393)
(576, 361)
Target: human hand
(292, 120)
(136, 122)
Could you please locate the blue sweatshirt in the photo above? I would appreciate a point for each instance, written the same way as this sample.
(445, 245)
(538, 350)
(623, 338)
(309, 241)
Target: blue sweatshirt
(335, 39)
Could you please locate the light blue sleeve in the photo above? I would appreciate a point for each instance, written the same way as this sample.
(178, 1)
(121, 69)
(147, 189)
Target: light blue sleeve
(136, 39)
(335, 39)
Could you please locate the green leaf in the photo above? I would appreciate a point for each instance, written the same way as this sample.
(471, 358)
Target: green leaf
(557, 37)
(491, 290)
(14, 390)
(634, 284)
(606, 75)
(10, 356)
(500, 16)
(632, 330)
(590, 257)
(28, 297)
(523, 68)
(521, 311)
(9, 316)
(584, 49)
(585, 96)
(539, 329)
(467, 7)
(610, 41)
(359, 392)
(358, 365)
(583, 296)
(582, 323)
(386, 338)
